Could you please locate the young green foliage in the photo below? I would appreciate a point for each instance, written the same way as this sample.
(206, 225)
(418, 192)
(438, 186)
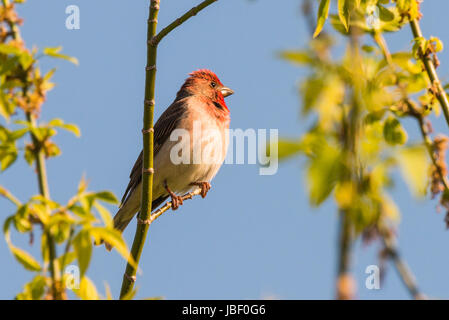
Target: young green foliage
(357, 104)
(73, 227)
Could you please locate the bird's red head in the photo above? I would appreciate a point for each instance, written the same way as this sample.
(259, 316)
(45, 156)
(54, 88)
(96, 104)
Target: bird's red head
(205, 83)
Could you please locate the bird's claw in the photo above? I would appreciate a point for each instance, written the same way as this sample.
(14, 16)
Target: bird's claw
(176, 201)
(205, 187)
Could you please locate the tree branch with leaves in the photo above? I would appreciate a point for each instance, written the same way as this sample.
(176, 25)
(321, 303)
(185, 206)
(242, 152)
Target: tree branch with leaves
(72, 227)
(363, 97)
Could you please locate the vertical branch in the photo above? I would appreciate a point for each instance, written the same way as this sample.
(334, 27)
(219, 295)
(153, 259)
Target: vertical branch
(350, 128)
(431, 72)
(345, 286)
(148, 137)
(144, 216)
(41, 172)
(39, 155)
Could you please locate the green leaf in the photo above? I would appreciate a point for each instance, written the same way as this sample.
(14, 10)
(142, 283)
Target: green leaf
(296, 57)
(25, 59)
(106, 196)
(86, 202)
(288, 148)
(33, 290)
(21, 219)
(7, 160)
(6, 108)
(323, 13)
(67, 126)
(414, 166)
(87, 290)
(66, 259)
(49, 74)
(394, 133)
(82, 244)
(22, 56)
(25, 259)
(17, 134)
(29, 155)
(72, 128)
(323, 173)
(115, 239)
(343, 13)
(6, 226)
(55, 53)
(105, 214)
(41, 199)
(10, 50)
(8, 149)
(436, 44)
(56, 122)
(385, 14)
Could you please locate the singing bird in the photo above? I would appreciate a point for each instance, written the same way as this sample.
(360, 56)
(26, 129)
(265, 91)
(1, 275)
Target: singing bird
(201, 114)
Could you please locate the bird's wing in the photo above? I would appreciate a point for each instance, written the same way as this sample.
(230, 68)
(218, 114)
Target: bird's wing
(164, 126)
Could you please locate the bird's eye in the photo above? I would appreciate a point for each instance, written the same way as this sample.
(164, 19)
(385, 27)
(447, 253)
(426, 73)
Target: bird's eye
(213, 84)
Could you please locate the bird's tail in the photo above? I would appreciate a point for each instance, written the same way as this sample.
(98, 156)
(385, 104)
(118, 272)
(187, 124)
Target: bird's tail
(126, 213)
(123, 217)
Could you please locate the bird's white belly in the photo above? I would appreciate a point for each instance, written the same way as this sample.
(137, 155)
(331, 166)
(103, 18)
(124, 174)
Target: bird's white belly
(188, 160)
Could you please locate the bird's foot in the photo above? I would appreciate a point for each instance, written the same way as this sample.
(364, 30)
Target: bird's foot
(176, 200)
(205, 187)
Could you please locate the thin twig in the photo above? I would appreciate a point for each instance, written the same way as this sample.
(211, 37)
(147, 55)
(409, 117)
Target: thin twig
(435, 82)
(186, 16)
(427, 141)
(403, 269)
(169, 204)
(153, 40)
(8, 195)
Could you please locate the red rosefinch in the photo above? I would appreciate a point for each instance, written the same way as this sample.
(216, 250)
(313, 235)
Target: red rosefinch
(202, 117)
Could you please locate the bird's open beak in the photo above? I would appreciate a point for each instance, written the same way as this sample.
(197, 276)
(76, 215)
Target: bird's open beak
(225, 91)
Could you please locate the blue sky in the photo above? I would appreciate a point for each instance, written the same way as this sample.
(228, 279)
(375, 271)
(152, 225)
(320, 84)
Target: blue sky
(253, 236)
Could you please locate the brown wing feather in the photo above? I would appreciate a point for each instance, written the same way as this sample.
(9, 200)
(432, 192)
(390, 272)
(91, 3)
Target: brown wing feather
(164, 126)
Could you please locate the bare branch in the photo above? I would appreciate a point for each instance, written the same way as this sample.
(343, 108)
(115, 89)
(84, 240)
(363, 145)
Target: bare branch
(403, 269)
(192, 12)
